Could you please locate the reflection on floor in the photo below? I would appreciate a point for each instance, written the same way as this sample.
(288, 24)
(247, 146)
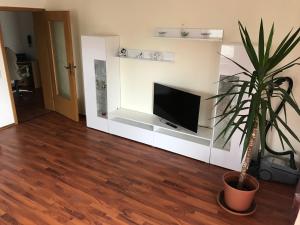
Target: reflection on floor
(29, 105)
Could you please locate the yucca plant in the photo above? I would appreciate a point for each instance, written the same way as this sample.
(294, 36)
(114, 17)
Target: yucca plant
(256, 92)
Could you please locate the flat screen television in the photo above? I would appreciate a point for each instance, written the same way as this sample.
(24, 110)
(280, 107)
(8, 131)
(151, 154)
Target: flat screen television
(178, 107)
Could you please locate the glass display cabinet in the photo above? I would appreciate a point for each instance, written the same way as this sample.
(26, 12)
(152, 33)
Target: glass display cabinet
(101, 78)
(228, 155)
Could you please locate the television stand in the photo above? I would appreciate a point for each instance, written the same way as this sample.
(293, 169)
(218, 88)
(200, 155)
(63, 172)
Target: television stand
(153, 130)
(171, 125)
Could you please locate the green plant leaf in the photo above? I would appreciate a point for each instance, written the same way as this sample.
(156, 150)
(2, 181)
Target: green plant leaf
(284, 112)
(282, 68)
(275, 125)
(249, 47)
(269, 45)
(288, 99)
(286, 48)
(261, 44)
(283, 42)
(236, 63)
(252, 82)
(288, 128)
(235, 127)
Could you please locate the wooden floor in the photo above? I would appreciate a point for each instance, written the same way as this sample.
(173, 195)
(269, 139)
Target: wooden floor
(30, 105)
(55, 171)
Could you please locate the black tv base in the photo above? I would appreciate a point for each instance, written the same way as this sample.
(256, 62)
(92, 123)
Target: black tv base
(171, 124)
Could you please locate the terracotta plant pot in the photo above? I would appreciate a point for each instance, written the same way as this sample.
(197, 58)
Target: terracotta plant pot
(235, 199)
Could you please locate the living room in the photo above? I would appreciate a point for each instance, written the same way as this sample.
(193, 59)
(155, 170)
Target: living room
(180, 46)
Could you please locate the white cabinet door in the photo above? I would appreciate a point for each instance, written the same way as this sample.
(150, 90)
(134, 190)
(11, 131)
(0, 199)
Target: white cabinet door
(112, 45)
(101, 79)
(196, 149)
(228, 156)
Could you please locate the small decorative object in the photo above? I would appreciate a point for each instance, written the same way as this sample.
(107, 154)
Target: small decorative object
(123, 52)
(205, 34)
(162, 33)
(183, 33)
(140, 55)
(255, 95)
(156, 56)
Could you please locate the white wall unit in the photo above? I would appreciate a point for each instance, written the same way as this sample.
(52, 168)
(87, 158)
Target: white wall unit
(102, 94)
(151, 130)
(101, 78)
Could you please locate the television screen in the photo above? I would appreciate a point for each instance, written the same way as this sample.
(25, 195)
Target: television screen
(176, 106)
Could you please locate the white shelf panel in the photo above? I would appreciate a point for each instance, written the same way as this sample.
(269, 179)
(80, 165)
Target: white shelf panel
(134, 123)
(189, 34)
(184, 136)
(148, 55)
(153, 120)
(183, 146)
(130, 130)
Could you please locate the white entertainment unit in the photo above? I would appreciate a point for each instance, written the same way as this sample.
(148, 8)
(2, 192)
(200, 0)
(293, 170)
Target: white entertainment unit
(151, 130)
(101, 68)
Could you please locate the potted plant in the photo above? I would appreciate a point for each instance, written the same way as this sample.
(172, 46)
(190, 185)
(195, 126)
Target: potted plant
(253, 108)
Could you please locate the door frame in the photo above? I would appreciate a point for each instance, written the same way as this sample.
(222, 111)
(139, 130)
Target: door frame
(50, 97)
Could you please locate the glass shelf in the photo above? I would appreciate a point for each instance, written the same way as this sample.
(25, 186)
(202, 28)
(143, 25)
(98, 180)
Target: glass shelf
(189, 34)
(146, 55)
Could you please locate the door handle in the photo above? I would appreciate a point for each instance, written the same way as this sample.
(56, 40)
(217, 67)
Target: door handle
(70, 67)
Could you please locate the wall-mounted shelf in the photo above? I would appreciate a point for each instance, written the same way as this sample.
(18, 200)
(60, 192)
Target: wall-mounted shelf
(190, 34)
(146, 55)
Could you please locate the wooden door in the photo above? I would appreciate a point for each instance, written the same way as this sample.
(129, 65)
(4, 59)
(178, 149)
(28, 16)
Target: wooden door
(55, 53)
(62, 64)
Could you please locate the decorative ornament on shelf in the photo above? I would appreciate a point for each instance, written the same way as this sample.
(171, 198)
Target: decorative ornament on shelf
(162, 33)
(205, 35)
(123, 52)
(184, 33)
(156, 56)
(146, 55)
(189, 33)
(140, 55)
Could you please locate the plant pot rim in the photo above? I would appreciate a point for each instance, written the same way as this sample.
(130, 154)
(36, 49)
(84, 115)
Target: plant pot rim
(247, 177)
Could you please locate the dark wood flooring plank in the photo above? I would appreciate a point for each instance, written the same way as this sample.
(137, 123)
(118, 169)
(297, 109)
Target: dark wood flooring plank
(56, 171)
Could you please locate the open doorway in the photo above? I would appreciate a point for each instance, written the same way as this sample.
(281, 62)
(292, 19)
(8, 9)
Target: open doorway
(23, 64)
(37, 64)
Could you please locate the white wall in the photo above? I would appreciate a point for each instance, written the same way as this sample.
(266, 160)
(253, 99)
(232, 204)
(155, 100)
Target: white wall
(15, 27)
